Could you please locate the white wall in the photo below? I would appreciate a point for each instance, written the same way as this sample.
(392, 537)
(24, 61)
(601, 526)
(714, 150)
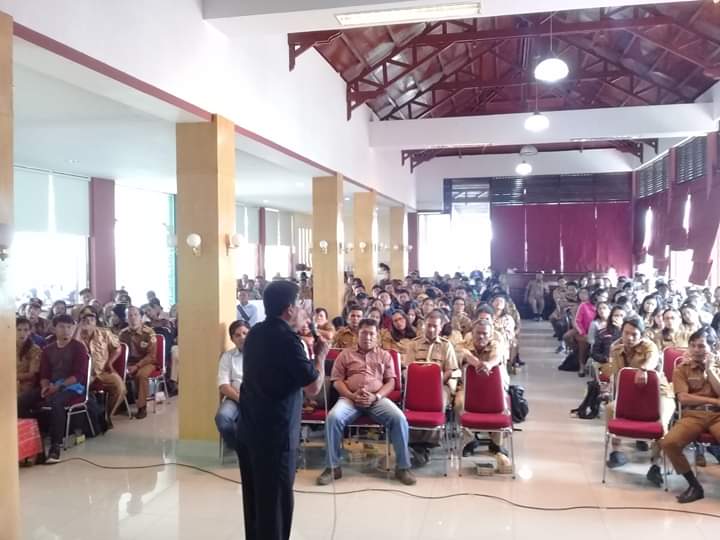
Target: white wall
(167, 44)
(430, 175)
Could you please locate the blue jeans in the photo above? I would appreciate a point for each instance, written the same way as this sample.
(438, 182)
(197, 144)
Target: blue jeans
(226, 421)
(384, 412)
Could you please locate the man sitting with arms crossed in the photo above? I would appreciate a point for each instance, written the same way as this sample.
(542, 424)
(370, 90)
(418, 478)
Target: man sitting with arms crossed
(142, 347)
(363, 376)
(697, 384)
(230, 374)
(347, 336)
(484, 354)
(430, 347)
(104, 349)
(245, 310)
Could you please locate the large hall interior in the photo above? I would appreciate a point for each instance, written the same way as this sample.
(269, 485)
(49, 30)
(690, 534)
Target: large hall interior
(497, 221)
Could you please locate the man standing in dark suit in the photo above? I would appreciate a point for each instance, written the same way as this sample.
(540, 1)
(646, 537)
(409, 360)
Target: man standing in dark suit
(276, 370)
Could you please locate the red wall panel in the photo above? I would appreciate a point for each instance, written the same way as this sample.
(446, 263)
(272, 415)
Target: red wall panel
(543, 237)
(508, 241)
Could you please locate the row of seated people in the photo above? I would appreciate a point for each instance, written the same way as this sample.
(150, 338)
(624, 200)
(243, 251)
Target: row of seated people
(695, 386)
(582, 315)
(56, 375)
(363, 375)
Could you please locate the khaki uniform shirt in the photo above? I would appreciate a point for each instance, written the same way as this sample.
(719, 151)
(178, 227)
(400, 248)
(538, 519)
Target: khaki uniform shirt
(29, 363)
(490, 353)
(101, 346)
(439, 351)
(390, 344)
(461, 323)
(345, 338)
(142, 345)
(644, 355)
(536, 289)
(663, 339)
(691, 377)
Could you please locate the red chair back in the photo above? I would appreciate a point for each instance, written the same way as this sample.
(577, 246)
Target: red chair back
(484, 392)
(670, 356)
(637, 402)
(333, 354)
(398, 370)
(160, 352)
(424, 388)
(120, 364)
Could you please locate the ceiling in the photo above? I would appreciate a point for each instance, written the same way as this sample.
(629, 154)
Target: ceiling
(63, 128)
(621, 56)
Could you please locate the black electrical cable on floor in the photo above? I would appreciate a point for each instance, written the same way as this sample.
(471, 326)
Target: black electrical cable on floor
(414, 495)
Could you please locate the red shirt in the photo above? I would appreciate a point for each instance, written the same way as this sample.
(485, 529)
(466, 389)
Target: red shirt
(63, 362)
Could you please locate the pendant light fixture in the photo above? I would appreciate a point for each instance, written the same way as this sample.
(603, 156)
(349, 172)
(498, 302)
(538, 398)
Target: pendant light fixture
(552, 69)
(523, 168)
(537, 121)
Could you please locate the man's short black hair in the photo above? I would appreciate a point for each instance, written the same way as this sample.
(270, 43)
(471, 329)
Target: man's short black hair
(85, 291)
(368, 323)
(355, 307)
(361, 296)
(278, 296)
(235, 325)
(63, 319)
(707, 333)
(637, 322)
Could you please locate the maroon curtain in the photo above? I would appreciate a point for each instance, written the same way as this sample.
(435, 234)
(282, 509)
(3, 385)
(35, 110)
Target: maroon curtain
(579, 237)
(704, 222)
(614, 246)
(508, 237)
(675, 234)
(543, 237)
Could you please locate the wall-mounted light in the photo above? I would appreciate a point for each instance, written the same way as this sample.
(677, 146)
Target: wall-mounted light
(6, 234)
(350, 246)
(410, 248)
(194, 241)
(323, 246)
(362, 246)
(233, 241)
(396, 247)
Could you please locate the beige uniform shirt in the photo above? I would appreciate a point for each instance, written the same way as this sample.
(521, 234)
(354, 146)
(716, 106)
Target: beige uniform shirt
(644, 355)
(142, 345)
(439, 351)
(100, 346)
(691, 377)
(345, 338)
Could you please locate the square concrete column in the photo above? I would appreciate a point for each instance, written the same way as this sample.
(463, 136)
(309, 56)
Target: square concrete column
(398, 242)
(365, 234)
(9, 494)
(413, 248)
(327, 250)
(102, 238)
(206, 281)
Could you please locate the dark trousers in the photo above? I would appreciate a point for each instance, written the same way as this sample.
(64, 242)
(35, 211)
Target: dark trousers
(267, 477)
(30, 401)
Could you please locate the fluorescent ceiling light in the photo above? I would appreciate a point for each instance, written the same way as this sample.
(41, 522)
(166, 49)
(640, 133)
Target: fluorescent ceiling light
(524, 168)
(537, 122)
(414, 14)
(551, 70)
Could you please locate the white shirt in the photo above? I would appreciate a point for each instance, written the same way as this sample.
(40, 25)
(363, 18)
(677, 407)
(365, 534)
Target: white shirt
(251, 311)
(230, 370)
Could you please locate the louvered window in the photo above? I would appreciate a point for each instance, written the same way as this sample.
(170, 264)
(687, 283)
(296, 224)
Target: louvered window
(653, 178)
(690, 160)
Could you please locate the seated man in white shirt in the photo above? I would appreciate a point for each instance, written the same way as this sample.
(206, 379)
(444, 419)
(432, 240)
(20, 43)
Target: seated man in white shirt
(245, 310)
(230, 373)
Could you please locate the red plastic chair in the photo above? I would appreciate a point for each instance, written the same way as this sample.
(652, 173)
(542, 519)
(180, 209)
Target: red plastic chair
(486, 407)
(157, 377)
(671, 355)
(637, 412)
(78, 406)
(396, 394)
(423, 404)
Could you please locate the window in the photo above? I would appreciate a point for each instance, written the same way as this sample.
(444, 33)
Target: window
(144, 232)
(647, 267)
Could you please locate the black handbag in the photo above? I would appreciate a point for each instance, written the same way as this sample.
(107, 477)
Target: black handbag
(518, 404)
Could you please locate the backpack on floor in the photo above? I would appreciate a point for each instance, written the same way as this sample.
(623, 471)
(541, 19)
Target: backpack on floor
(589, 408)
(571, 363)
(518, 403)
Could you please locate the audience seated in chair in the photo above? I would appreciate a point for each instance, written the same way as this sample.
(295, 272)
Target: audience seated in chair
(229, 379)
(27, 355)
(63, 376)
(347, 336)
(363, 376)
(104, 349)
(142, 348)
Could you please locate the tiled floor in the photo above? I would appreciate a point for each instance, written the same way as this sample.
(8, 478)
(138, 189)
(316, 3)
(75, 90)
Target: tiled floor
(559, 464)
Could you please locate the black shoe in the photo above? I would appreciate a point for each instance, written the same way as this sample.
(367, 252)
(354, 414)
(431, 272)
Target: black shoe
(495, 449)
(470, 447)
(418, 457)
(642, 446)
(328, 475)
(654, 475)
(53, 455)
(616, 459)
(141, 413)
(691, 494)
(581, 373)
